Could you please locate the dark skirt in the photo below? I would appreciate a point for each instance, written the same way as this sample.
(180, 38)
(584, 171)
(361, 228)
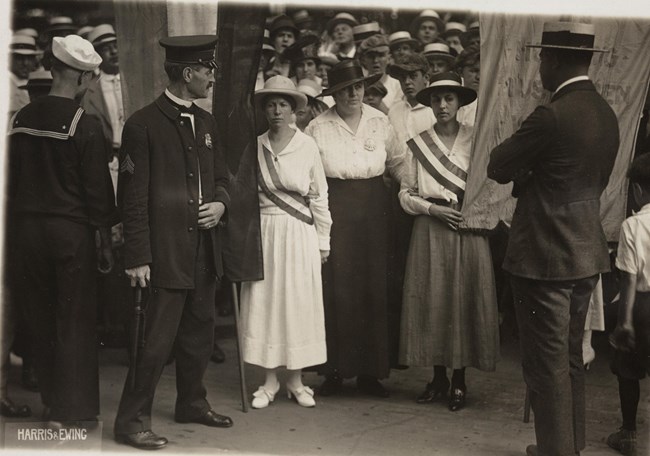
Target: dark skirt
(354, 279)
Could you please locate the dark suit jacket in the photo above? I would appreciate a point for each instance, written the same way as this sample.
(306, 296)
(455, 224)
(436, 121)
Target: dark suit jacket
(560, 161)
(158, 190)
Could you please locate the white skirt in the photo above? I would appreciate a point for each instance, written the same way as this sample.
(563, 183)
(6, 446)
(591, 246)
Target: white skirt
(282, 316)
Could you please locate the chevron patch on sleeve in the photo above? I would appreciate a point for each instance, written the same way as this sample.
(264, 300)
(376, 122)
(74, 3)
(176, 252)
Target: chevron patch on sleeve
(127, 165)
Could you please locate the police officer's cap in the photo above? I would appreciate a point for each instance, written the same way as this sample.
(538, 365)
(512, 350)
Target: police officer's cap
(190, 49)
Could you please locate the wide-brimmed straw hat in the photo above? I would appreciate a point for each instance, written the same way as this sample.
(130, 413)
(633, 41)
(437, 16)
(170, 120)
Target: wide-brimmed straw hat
(341, 18)
(280, 85)
(427, 15)
(438, 51)
(347, 73)
(363, 31)
(453, 29)
(448, 81)
(574, 36)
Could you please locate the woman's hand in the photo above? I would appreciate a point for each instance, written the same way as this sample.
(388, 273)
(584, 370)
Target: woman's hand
(448, 216)
(324, 254)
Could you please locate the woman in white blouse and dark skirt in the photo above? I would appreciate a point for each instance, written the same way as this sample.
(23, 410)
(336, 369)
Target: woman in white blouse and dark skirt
(449, 313)
(282, 315)
(356, 147)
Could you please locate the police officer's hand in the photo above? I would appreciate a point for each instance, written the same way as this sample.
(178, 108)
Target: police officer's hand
(210, 214)
(139, 275)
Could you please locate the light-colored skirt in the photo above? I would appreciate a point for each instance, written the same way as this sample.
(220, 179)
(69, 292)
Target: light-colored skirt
(282, 316)
(449, 313)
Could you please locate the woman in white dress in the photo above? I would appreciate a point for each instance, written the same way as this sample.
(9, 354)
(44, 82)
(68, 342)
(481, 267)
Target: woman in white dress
(282, 315)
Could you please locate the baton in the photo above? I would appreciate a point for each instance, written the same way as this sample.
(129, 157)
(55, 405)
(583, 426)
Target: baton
(137, 340)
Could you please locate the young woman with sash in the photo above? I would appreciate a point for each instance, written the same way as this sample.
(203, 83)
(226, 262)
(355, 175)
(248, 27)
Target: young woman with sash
(356, 146)
(282, 315)
(449, 314)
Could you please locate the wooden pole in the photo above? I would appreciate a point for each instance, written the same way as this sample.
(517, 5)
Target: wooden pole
(240, 360)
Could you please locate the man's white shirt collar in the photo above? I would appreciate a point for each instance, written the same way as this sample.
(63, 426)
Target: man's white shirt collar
(177, 100)
(571, 81)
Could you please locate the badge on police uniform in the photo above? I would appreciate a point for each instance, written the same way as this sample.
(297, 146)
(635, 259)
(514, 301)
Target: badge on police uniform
(208, 141)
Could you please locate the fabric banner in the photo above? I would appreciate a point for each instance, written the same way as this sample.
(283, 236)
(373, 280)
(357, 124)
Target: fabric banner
(240, 29)
(511, 89)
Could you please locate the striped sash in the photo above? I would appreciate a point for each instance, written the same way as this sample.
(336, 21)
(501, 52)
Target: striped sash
(438, 164)
(269, 181)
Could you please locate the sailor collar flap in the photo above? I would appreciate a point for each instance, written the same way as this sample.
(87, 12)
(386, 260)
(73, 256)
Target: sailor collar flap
(61, 125)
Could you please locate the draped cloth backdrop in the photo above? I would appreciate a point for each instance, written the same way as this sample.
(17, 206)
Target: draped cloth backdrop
(240, 28)
(510, 90)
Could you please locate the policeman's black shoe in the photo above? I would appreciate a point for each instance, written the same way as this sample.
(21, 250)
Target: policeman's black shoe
(435, 390)
(144, 440)
(210, 418)
(456, 399)
(29, 379)
(331, 385)
(370, 385)
(10, 410)
(218, 356)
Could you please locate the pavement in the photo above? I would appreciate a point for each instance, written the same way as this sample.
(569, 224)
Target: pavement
(346, 424)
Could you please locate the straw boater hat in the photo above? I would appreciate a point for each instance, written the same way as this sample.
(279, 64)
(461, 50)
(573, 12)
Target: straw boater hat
(448, 81)
(438, 51)
(38, 78)
(363, 31)
(102, 34)
(453, 29)
(84, 31)
(347, 73)
(427, 15)
(302, 18)
(341, 18)
(328, 58)
(76, 52)
(573, 36)
(27, 31)
(472, 31)
(401, 37)
(23, 45)
(60, 24)
(280, 85)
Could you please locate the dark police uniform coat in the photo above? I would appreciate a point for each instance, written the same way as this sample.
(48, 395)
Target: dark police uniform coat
(560, 160)
(158, 196)
(59, 192)
(158, 190)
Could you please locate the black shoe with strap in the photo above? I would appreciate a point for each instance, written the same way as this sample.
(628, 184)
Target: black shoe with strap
(144, 440)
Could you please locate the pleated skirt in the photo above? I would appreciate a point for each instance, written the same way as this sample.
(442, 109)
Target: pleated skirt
(449, 313)
(282, 316)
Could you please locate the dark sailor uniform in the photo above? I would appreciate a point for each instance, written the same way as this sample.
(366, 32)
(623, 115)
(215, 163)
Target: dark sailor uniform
(59, 192)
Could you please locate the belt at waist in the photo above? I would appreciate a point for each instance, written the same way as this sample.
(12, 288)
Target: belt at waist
(442, 202)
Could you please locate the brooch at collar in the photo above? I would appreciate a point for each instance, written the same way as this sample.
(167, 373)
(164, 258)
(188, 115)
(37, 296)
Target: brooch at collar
(370, 144)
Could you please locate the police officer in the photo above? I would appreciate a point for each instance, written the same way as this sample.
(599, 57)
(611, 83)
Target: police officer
(59, 195)
(172, 196)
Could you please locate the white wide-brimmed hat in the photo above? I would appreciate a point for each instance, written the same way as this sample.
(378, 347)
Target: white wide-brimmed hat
(76, 52)
(281, 85)
(450, 81)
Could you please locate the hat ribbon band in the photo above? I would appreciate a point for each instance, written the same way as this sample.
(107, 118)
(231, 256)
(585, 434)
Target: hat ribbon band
(567, 38)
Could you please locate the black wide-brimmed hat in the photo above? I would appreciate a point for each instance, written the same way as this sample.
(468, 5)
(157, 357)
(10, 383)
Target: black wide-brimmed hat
(574, 36)
(303, 49)
(448, 81)
(347, 73)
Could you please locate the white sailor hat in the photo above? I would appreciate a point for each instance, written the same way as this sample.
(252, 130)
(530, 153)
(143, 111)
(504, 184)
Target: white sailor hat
(76, 52)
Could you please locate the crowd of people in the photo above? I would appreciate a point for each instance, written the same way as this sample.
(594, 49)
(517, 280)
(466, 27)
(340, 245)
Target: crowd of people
(361, 179)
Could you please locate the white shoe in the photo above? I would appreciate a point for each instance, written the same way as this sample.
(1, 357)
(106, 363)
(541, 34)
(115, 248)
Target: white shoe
(303, 395)
(263, 397)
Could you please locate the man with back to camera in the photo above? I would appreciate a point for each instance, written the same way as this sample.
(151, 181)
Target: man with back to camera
(560, 161)
(172, 196)
(59, 194)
